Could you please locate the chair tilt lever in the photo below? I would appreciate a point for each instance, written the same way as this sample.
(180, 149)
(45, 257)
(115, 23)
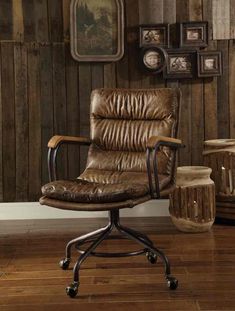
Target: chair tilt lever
(96, 237)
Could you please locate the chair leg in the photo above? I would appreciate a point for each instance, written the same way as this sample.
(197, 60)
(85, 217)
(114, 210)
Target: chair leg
(72, 290)
(134, 235)
(64, 263)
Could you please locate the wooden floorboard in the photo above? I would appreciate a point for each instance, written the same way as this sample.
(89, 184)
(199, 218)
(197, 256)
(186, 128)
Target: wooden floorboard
(30, 278)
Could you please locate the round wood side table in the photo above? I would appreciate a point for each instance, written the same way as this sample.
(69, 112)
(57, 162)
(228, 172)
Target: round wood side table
(219, 154)
(192, 203)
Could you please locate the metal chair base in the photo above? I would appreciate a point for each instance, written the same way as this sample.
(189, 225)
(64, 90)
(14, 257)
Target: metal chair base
(97, 236)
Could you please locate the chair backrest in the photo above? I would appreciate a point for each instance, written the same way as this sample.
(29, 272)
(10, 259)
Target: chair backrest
(122, 120)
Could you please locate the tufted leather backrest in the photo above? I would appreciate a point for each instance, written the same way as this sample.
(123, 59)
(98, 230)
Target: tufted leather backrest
(122, 120)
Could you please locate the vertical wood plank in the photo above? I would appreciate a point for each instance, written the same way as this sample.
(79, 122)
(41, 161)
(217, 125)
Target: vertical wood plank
(232, 19)
(169, 11)
(132, 42)
(169, 16)
(197, 108)
(1, 136)
(73, 113)
(84, 100)
(197, 120)
(109, 80)
(46, 97)
(6, 20)
(231, 87)
(59, 102)
(21, 122)
(98, 74)
(195, 10)
(55, 8)
(41, 21)
(223, 93)
(66, 19)
(185, 125)
(151, 11)
(29, 20)
(18, 25)
(221, 19)
(8, 122)
(34, 122)
(182, 11)
(207, 16)
(210, 84)
(210, 106)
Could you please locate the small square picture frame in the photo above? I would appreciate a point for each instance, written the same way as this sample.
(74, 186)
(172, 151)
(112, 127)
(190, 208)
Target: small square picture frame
(194, 34)
(209, 63)
(180, 64)
(153, 59)
(154, 35)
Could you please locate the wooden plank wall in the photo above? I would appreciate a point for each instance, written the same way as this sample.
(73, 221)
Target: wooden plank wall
(43, 91)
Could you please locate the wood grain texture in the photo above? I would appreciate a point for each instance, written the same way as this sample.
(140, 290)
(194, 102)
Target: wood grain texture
(85, 87)
(21, 122)
(153, 16)
(41, 20)
(1, 137)
(8, 121)
(73, 112)
(18, 24)
(195, 10)
(31, 277)
(231, 87)
(221, 19)
(34, 113)
(232, 19)
(59, 102)
(6, 17)
(55, 10)
(28, 8)
(223, 94)
(46, 104)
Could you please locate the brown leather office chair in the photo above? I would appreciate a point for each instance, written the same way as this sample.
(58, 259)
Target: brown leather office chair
(131, 160)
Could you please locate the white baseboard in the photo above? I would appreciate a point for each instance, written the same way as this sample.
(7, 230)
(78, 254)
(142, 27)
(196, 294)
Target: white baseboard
(33, 210)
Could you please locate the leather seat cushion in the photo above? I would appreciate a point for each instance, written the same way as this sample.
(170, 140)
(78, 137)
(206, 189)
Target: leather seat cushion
(83, 191)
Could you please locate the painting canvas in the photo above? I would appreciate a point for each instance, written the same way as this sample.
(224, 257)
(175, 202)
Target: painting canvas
(97, 30)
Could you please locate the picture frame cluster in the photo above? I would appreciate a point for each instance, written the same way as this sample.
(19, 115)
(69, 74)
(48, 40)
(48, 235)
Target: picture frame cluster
(185, 61)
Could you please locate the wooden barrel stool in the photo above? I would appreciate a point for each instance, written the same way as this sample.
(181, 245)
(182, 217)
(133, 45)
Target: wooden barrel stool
(219, 154)
(192, 203)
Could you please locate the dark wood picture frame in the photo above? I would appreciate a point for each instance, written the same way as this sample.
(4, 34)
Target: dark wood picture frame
(97, 30)
(153, 59)
(209, 63)
(180, 64)
(154, 35)
(193, 34)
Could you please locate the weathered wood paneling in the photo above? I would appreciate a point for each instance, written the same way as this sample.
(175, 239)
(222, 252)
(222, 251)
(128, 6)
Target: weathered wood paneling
(8, 121)
(221, 19)
(21, 122)
(43, 91)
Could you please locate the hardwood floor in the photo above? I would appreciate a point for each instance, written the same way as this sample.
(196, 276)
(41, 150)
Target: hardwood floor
(30, 278)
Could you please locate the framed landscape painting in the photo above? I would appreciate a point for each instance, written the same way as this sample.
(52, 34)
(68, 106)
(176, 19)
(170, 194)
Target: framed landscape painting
(97, 30)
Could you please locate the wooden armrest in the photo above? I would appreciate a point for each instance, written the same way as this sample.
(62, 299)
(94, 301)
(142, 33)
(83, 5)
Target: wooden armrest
(57, 139)
(154, 140)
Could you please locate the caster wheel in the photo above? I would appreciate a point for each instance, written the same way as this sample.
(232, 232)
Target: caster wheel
(72, 290)
(64, 263)
(172, 282)
(152, 258)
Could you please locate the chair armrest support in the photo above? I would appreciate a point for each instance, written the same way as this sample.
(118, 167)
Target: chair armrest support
(54, 144)
(153, 145)
(156, 141)
(57, 140)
